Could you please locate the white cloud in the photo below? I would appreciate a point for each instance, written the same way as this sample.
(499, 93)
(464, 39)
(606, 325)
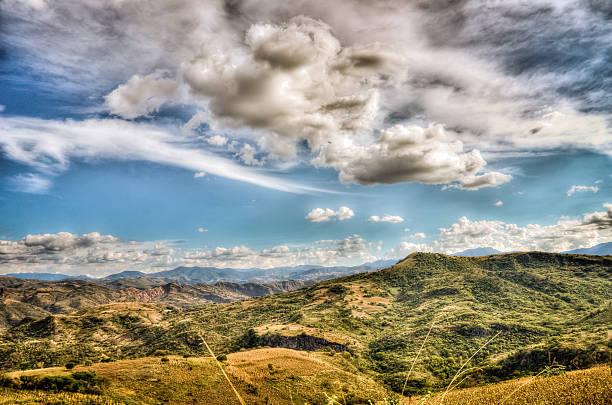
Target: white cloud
(2, 107)
(318, 79)
(217, 140)
(394, 219)
(409, 153)
(197, 175)
(592, 229)
(247, 155)
(103, 254)
(142, 95)
(202, 230)
(403, 249)
(567, 234)
(99, 254)
(581, 189)
(30, 183)
(50, 145)
(499, 203)
(345, 213)
(326, 214)
(419, 235)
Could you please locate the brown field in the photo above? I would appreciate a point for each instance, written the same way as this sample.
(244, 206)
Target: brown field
(283, 376)
(582, 387)
(273, 376)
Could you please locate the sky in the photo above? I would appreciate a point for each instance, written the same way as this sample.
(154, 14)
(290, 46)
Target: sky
(146, 135)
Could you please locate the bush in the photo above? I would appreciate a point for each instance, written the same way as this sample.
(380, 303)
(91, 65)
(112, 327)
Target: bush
(222, 357)
(165, 360)
(70, 365)
(84, 382)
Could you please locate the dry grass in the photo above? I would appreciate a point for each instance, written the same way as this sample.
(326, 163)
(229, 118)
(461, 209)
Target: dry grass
(274, 376)
(10, 396)
(581, 387)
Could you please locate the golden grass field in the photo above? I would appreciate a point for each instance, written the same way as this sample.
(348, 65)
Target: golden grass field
(581, 387)
(284, 376)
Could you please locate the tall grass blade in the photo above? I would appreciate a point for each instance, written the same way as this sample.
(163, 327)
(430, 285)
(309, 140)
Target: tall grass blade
(465, 363)
(521, 386)
(417, 356)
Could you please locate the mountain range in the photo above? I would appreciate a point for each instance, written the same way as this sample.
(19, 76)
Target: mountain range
(533, 308)
(212, 275)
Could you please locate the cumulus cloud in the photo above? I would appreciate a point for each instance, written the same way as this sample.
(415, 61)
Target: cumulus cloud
(302, 72)
(404, 248)
(247, 155)
(592, 229)
(581, 189)
(345, 213)
(600, 220)
(289, 82)
(142, 95)
(198, 175)
(326, 214)
(499, 203)
(567, 234)
(419, 235)
(217, 140)
(99, 254)
(103, 254)
(410, 153)
(202, 230)
(394, 219)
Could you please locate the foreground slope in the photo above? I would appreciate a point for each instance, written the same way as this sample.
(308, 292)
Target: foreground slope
(283, 376)
(548, 309)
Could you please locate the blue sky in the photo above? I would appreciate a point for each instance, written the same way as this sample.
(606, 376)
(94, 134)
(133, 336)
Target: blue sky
(129, 141)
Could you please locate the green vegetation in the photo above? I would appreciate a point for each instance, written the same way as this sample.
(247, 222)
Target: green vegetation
(551, 310)
(84, 382)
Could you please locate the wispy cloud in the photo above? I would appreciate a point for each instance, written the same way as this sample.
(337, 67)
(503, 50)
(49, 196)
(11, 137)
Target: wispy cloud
(394, 219)
(581, 189)
(30, 183)
(50, 145)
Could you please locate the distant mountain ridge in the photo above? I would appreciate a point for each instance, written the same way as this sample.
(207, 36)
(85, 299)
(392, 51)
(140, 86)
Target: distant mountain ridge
(479, 251)
(212, 275)
(45, 276)
(600, 250)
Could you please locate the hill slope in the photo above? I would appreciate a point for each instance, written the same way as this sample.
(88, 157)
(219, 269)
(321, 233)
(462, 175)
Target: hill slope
(548, 308)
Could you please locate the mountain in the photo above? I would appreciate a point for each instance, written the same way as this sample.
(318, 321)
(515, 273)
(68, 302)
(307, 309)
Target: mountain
(44, 276)
(126, 274)
(534, 309)
(601, 249)
(481, 251)
(23, 299)
(211, 275)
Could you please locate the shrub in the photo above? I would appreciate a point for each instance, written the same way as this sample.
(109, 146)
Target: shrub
(165, 360)
(70, 365)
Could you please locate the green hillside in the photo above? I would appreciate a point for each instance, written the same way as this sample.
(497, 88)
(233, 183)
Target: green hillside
(549, 309)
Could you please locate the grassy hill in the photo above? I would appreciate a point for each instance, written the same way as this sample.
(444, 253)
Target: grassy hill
(548, 309)
(284, 376)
